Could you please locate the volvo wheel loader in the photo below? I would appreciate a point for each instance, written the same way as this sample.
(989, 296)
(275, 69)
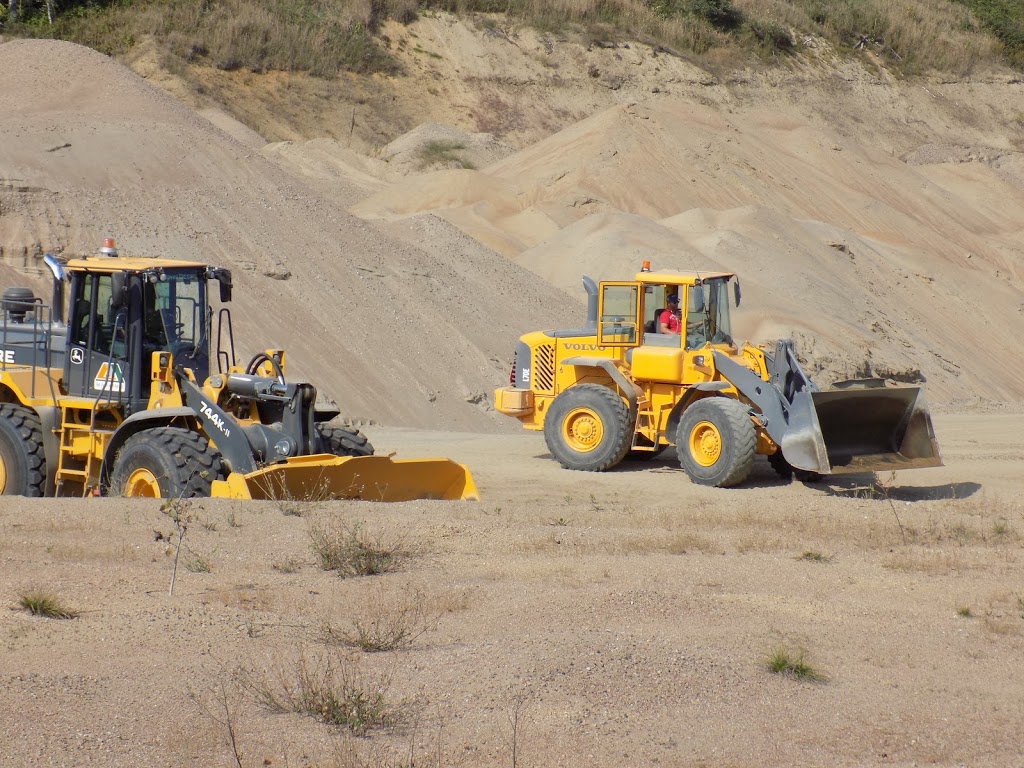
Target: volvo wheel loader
(621, 386)
(138, 393)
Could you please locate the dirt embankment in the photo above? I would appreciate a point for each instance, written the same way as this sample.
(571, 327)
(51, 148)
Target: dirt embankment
(411, 326)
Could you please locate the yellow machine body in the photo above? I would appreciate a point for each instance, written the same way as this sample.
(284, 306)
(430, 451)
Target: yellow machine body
(657, 377)
(87, 409)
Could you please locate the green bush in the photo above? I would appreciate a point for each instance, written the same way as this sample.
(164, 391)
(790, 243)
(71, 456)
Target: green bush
(1005, 19)
(773, 36)
(720, 14)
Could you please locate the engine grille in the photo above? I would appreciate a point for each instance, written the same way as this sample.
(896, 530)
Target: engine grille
(544, 368)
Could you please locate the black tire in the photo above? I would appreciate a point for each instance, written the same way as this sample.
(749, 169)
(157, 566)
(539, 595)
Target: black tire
(782, 467)
(785, 470)
(342, 441)
(22, 459)
(587, 428)
(715, 442)
(165, 463)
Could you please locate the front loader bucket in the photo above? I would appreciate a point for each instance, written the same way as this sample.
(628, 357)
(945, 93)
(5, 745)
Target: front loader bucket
(371, 478)
(861, 429)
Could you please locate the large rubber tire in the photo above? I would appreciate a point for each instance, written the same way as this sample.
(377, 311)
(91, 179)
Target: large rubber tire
(165, 463)
(715, 442)
(342, 441)
(22, 460)
(785, 470)
(587, 428)
(782, 467)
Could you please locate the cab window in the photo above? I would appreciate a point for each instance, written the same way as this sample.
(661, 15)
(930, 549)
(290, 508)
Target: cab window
(619, 310)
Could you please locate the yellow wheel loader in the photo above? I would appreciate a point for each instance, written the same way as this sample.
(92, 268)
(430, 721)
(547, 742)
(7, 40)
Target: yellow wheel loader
(130, 396)
(638, 378)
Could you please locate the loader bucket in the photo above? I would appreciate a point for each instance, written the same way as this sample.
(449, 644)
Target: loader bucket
(372, 478)
(861, 429)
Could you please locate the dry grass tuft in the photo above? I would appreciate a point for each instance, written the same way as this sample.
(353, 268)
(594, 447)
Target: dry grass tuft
(443, 153)
(390, 622)
(784, 661)
(349, 551)
(46, 605)
(813, 556)
(330, 689)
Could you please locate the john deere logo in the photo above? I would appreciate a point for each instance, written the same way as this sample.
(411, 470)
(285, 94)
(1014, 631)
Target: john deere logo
(77, 356)
(109, 378)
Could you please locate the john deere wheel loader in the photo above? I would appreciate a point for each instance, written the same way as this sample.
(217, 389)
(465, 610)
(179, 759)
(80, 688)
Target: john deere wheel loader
(130, 397)
(621, 386)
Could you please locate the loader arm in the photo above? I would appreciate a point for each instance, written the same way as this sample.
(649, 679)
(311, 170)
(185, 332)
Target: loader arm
(791, 423)
(231, 441)
(859, 427)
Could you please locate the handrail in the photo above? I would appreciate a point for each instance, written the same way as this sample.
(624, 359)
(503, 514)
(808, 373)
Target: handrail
(229, 360)
(41, 341)
(110, 370)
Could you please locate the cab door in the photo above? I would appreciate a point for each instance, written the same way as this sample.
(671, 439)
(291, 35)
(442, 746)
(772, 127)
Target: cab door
(618, 315)
(96, 362)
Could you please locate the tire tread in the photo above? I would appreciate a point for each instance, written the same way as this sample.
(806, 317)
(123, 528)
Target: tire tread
(738, 433)
(196, 464)
(28, 425)
(592, 395)
(344, 441)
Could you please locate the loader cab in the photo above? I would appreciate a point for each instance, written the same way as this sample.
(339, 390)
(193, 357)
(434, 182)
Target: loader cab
(119, 317)
(628, 311)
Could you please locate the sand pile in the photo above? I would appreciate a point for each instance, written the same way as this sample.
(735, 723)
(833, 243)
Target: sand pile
(412, 330)
(908, 269)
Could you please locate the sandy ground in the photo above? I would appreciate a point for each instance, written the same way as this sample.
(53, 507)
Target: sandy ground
(620, 619)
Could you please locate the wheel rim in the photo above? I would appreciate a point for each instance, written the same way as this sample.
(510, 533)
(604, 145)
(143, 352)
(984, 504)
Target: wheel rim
(3, 476)
(142, 483)
(705, 443)
(582, 430)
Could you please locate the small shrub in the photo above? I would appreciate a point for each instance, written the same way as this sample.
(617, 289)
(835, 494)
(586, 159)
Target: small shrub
(292, 508)
(181, 512)
(386, 627)
(442, 153)
(773, 37)
(812, 556)
(1000, 527)
(964, 611)
(720, 14)
(349, 551)
(46, 605)
(197, 564)
(330, 690)
(785, 662)
(288, 565)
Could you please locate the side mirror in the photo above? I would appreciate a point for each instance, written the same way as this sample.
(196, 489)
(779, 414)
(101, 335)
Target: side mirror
(736, 291)
(117, 290)
(224, 278)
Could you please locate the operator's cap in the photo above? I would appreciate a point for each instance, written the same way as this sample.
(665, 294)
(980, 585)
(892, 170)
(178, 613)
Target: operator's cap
(673, 299)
